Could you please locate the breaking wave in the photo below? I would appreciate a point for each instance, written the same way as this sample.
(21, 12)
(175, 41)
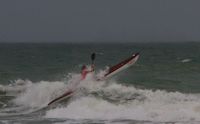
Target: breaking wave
(104, 100)
(116, 101)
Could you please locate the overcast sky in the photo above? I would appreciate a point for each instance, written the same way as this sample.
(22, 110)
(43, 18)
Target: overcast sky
(99, 20)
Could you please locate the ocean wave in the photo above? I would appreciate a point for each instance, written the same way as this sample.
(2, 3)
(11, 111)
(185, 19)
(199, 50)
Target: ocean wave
(129, 103)
(158, 106)
(105, 100)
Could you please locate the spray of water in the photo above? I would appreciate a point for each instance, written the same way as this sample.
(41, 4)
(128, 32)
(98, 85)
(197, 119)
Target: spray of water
(105, 100)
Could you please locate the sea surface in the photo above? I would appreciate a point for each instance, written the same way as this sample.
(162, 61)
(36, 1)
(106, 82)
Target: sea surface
(163, 87)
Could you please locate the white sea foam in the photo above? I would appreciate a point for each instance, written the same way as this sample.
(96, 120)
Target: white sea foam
(163, 109)
(147, 105)
(33, 97)
(110, 100)
(16, 87)
(39, 94)
(186, 60)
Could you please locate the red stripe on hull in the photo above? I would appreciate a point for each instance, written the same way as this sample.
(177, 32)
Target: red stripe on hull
(119, 65)
(64, 95)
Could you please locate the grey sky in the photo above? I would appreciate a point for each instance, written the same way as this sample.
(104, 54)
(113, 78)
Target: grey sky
(99, 20)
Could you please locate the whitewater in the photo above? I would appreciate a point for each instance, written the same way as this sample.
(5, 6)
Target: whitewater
(100, 100)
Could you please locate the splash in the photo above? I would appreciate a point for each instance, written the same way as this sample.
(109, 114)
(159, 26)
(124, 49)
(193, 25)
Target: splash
(39, 93)
(15, 87)
(30, 96)
(105, 100)
(115, 101)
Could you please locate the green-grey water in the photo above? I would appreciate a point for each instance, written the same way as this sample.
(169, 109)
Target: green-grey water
(166, 75)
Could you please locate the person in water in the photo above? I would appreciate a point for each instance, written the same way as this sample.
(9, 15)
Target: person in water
(85, 71)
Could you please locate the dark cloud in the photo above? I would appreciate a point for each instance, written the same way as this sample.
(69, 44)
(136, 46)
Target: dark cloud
(99, 20)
